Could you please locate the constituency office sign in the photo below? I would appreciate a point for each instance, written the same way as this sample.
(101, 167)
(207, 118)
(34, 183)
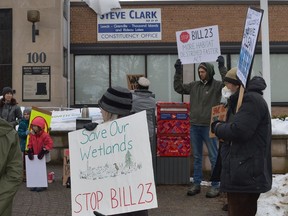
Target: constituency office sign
(250, 35)
(111, 167)
(130, 24)
(198, 45)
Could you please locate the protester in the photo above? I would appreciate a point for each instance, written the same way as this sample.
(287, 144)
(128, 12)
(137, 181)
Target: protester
(246, 150)
(204, 94)
(114, 104)
(9, 110)
(10, 167)
(143, 99)
(40, 142)
(23, 131)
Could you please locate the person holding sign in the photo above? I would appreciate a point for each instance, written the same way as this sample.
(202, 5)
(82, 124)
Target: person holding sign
(40, 142)
(115, 103)
(204, 94)
(23, 131)
(10, 166)
(246, 150)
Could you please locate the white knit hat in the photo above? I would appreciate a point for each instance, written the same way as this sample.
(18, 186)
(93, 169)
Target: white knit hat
(143, 82)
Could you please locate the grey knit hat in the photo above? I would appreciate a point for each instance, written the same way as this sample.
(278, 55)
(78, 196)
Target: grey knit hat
(27, 110)
(117, 100)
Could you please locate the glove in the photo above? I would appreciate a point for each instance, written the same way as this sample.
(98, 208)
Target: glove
(27, 132)
(213, 125)
(90, 126)
(42, 153)
(97, 213)
(30, 154)
(220, 61)
(178, 66)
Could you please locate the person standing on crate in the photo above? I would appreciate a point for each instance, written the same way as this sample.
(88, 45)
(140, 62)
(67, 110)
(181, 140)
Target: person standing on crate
(204, 94)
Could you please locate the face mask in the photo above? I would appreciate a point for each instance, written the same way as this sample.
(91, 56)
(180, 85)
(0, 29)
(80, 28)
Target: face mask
(226, 93)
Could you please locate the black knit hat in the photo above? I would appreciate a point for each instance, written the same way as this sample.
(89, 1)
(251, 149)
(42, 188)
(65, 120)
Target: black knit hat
(7, 90)
(117, 100)
(231, 76)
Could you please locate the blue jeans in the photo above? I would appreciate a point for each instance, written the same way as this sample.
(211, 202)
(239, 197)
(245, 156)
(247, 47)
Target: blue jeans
(200, 135)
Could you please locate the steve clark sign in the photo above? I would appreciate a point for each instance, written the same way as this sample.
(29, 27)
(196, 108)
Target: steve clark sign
(198, 45)
(111, 168)
(129, 24)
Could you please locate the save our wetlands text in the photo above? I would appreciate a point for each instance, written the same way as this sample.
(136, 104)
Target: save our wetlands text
(95, 145)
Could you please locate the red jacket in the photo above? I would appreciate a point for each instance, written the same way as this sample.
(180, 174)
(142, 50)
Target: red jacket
(40, 140)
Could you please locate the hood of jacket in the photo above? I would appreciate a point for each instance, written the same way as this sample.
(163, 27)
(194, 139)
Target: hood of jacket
(5, 127)
(256, 84)
(209, 68)
(39, 121)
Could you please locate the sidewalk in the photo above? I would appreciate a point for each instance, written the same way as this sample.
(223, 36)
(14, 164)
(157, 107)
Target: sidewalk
(56, 201)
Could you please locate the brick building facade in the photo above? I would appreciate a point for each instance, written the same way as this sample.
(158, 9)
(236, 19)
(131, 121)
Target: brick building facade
(230, 18)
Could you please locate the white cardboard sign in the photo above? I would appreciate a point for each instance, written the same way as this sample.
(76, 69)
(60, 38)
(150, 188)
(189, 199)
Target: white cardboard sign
(111, 168)
(36, 172)
(198, 45)
(249, 41)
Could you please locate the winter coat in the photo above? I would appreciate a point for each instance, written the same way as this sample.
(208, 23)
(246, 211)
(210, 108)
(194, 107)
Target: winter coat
(246, 151)
(40, 140)
(22, 132)
(144, 100)
(11, 112)
(202, 96)
(10, 167)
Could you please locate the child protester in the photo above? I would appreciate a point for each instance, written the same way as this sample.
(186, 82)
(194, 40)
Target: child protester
(40, 143)
(23, 131)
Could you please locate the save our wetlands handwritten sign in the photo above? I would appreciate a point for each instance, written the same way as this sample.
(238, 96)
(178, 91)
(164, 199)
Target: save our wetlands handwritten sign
(198, 45)
(111, 168)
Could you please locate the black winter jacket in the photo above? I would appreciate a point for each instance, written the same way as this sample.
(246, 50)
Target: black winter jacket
(246, 151)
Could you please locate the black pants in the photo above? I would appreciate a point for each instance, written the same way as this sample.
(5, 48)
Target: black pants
(240, 204)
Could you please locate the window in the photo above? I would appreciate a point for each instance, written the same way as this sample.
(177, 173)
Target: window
(121, 65)
(91, 78)
(92, 74)
(160, 71)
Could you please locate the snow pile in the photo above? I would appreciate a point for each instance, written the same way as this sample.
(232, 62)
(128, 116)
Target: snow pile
(275, 201)
(279, 126)
(66, 120)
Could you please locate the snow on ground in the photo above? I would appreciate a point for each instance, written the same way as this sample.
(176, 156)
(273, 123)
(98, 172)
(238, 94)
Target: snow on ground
(275, 201)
